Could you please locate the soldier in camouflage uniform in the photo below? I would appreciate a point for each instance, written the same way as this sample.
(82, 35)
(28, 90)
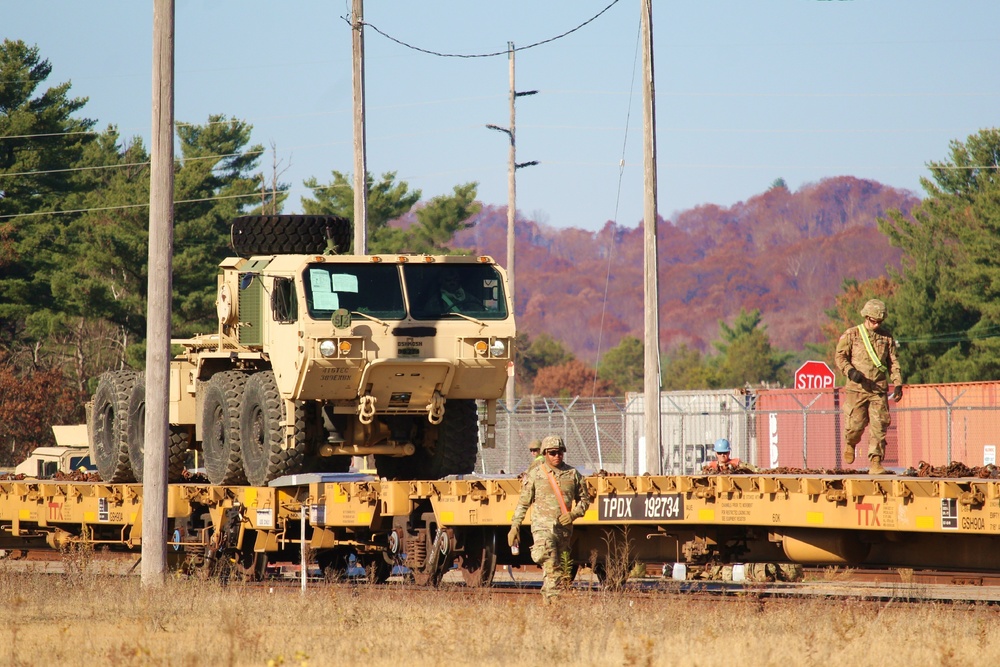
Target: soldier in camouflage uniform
(551, 520)
(535, 449)
(866, 354)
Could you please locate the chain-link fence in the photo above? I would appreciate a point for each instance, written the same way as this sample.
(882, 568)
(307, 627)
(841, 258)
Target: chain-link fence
(593, 429)
(769, 428)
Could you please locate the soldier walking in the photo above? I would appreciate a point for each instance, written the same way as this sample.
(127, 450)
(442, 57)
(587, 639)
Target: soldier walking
(559, 496)
(866, 354)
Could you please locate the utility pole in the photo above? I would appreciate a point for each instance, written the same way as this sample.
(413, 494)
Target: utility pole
(161, 247)
(512, 167)
(651, 305)
(360, 160)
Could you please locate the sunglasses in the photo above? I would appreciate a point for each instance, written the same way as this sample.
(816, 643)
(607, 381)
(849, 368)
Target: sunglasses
(533, 451)
(553, 452)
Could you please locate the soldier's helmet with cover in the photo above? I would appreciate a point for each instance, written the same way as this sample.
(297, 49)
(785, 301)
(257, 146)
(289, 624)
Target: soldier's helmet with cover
(721, 446)
(875, 309)
(535, 445)
(553, 442)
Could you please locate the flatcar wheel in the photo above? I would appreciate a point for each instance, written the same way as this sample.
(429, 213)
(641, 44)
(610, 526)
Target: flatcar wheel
(377, 568)
(252, 566)
(479, 561)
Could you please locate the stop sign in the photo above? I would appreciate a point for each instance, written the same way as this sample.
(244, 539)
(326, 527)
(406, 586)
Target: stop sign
(813, 375)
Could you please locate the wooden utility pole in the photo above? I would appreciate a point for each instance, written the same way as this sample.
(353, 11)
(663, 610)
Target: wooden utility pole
(511, 217)
(161, 248)
(360, 160)
(512, 167)
(651, 305)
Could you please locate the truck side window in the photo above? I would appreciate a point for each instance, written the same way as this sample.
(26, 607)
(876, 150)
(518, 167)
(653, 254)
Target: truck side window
(284, 305)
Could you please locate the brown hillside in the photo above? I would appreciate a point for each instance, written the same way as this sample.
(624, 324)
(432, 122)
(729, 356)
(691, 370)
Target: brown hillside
(782, 252)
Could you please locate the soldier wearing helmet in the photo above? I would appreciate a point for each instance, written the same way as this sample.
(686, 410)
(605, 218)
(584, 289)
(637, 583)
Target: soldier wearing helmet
(866, 354)
(535, 449)
(559, 496)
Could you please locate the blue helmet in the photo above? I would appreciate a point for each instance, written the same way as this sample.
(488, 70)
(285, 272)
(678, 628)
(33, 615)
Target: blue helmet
(721, 446)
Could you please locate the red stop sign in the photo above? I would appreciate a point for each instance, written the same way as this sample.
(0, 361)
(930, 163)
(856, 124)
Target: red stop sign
(813, 375)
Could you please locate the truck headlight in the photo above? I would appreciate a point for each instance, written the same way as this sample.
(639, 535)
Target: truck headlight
(328, 348)
(497, 348)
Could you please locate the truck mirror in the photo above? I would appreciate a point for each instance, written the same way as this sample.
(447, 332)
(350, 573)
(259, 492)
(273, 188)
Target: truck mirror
(341, 318)
(246, 280)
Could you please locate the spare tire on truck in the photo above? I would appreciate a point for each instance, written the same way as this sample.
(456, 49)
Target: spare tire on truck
(290, 234)
(109, 426)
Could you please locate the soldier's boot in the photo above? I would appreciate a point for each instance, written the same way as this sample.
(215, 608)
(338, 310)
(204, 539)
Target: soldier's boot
(875, 465)
(848, 453)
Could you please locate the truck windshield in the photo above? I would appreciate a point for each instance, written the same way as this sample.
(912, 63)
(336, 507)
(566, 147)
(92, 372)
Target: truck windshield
(437, 291)
(368, 288)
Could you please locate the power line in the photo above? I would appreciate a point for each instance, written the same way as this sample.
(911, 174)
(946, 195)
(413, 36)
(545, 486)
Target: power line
(128, 206)
(482, 55)
(618, 197)
(953, 337)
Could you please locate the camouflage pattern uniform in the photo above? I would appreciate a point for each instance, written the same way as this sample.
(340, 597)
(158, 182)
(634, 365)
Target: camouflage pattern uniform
(550, 538)
(866, 402)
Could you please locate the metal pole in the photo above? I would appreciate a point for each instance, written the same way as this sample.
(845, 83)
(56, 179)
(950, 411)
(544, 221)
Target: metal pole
(161, 242)
(651, 362)
(360, 160)
(597, 435)
(302, 547)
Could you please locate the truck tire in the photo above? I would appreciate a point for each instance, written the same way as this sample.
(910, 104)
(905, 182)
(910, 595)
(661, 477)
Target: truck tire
(289, 234)
(178, 437)
(220, 427)
(262, 432)
(454, 450)
(109, 440)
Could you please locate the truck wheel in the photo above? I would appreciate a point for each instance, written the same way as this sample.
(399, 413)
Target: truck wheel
(262, 432)
(289, 234)
(109, 443)
(220, 427)
(454, 450)
(178, 437)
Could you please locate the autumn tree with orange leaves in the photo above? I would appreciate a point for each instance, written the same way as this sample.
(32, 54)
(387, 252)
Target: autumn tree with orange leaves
(573, 378)
(30, 403)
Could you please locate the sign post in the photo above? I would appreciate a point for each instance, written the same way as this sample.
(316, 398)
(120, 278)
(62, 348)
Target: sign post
(814, 375)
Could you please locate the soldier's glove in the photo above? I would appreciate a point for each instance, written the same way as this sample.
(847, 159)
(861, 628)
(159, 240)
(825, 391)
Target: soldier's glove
(897, 393)
(855, 375)
(514, 536)
(565, 519)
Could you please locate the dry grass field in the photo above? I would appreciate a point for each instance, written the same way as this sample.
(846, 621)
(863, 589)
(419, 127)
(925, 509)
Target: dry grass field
(83, 619)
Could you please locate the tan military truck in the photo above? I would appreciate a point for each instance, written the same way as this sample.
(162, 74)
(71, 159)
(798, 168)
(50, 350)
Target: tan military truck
(321, 356)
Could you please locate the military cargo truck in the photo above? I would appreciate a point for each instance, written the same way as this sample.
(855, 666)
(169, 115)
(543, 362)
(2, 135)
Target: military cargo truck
(321, 356)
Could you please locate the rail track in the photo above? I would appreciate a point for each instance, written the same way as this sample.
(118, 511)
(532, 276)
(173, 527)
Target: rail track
(894, 584)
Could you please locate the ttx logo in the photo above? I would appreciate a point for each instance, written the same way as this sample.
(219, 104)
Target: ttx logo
(868, 514)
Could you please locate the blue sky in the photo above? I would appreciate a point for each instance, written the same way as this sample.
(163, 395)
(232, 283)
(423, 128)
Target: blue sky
(746, 91)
